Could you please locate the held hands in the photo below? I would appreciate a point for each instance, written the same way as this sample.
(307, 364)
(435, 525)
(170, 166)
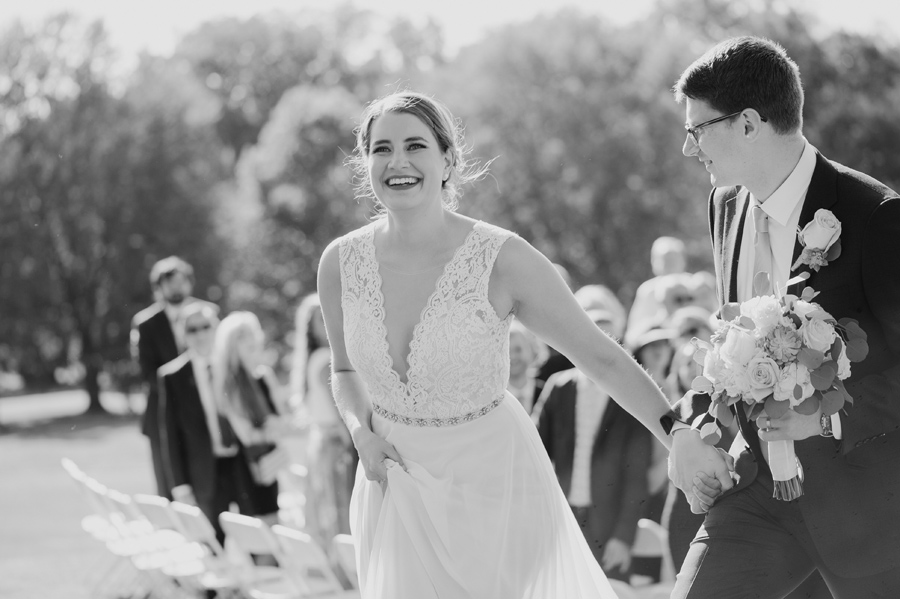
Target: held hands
(701, 471)
(373, 451)
(792, 426)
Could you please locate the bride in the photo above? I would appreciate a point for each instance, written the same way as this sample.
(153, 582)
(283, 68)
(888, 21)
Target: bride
(455, 496)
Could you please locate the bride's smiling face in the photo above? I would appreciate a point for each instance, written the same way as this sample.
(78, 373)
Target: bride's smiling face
(406, 165)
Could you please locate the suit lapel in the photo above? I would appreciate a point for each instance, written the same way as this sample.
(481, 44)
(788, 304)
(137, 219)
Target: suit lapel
(735, 216)
(821, 194)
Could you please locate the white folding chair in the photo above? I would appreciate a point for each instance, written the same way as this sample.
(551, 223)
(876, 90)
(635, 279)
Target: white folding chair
(155, 546)
(652, 540)
(345, 552)
(212, 571)
(308, 565)
(251, 536)
(293, 503)
(96, 523)
(116, 575)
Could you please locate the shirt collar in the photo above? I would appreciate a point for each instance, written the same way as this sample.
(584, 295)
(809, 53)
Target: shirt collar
(782, 203)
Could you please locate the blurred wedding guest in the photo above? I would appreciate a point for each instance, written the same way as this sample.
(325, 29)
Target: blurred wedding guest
(526, 352)
(653, 350)
(331, 457)
(703, 288)
(601, 297)
(155, 341)
(248, 395)
(667, 258)
(600, 453)
(686, 323)
(201, 454)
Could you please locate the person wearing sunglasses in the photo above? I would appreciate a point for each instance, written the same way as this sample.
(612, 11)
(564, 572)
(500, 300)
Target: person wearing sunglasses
(155, 340)
(744, 117)
(202, 455)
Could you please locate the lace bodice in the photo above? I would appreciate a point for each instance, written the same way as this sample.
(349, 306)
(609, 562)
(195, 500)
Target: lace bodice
(459, 354)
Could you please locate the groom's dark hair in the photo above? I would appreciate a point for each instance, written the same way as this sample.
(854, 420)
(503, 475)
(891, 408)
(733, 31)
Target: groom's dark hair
(747, 72)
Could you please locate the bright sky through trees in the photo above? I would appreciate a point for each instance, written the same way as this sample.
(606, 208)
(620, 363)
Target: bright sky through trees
(155, 26)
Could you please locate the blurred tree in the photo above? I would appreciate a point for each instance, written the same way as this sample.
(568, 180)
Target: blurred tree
(306, 197)
(94, 190)
(587, 141)
(293, 194)
(248, 64)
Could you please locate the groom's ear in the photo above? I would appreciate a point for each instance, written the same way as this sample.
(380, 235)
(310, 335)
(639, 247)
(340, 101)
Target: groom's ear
(752, 123)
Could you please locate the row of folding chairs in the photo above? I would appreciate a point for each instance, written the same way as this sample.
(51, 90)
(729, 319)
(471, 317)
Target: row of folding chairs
(169, 549)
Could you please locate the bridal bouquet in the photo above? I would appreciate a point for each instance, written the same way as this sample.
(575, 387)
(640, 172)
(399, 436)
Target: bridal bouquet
(773, 354)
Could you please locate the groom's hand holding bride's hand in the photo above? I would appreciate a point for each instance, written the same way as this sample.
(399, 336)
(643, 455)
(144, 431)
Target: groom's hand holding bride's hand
(701, 471)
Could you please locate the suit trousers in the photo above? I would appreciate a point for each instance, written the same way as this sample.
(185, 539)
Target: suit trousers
(234, 484)
(163, 486)
(754, 546)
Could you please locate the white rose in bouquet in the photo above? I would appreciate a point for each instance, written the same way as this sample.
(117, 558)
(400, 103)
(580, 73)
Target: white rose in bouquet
(792, 375)
(739, 346)
(765, 312)
(817, 334)
(763, 374)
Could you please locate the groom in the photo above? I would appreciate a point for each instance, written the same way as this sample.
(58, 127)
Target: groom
(744, 104)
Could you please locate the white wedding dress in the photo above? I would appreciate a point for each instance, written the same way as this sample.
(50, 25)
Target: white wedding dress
(479, 513)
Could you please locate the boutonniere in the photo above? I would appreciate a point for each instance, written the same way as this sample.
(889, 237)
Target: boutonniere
(820, 240)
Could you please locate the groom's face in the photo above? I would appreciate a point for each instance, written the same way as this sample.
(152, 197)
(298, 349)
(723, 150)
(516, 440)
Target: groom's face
(717, 146)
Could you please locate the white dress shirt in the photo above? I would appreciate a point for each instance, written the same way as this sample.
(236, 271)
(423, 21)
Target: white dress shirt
(204, 388)
(590, 405)
(783, 208)
(173, 313)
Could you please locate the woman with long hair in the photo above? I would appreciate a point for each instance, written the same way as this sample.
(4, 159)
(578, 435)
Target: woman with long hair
(330, 456)
(244, 387)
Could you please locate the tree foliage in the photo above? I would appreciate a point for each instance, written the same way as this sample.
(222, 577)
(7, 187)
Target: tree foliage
(230, 152)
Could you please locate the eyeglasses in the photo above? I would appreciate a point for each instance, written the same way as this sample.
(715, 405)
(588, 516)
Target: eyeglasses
(695, 130)
(197, 329)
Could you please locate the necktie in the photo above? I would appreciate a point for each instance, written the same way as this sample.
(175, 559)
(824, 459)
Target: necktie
(763, 277)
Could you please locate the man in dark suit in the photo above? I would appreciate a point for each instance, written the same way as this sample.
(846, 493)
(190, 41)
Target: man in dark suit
(201, 454)
(744, 105)
(154, 343)
(601, 455)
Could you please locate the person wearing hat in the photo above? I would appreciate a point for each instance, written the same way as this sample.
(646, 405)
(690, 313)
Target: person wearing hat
(155, 341)
(600, 452)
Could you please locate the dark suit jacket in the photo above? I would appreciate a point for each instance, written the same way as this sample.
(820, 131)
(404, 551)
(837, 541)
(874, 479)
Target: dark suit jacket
(184, 434)
(619, 461)
(154, 344)
(851, 500)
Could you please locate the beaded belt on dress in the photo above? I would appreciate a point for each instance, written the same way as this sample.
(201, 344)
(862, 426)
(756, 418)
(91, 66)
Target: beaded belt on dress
(412, 421)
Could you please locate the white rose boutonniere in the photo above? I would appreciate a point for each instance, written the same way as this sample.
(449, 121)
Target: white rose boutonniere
(820, 240)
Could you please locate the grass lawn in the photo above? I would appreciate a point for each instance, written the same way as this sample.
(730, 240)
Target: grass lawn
(43, 551)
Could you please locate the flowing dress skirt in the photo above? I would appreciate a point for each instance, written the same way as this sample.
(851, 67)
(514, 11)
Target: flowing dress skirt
(478, 514)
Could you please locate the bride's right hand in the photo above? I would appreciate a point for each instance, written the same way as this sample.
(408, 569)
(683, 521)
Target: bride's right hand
(373, 451)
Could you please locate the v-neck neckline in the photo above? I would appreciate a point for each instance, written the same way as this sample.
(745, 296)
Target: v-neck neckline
(379, 289)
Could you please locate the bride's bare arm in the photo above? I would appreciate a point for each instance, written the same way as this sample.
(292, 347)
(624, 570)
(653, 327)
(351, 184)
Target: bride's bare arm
(543, 302)
(347, 387)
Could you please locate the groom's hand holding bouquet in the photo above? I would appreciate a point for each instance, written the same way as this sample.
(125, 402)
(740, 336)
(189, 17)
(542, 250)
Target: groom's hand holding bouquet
(772, 356)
